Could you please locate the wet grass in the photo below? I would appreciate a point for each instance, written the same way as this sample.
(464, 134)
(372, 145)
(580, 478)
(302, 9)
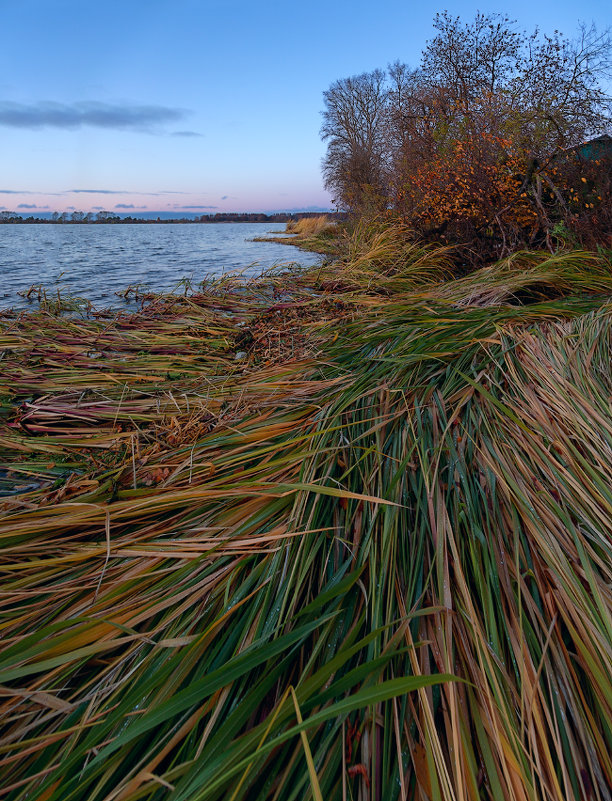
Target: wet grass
(368, 558)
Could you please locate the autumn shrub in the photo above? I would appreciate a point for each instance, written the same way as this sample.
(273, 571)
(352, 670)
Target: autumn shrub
(494, 140)
(488, 192)
(586, 201)
(473, 188)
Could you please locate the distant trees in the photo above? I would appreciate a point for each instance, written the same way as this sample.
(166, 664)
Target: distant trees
(477, 141)
(107, 216)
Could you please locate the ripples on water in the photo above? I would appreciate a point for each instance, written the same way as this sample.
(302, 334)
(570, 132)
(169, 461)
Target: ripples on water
(96, 261)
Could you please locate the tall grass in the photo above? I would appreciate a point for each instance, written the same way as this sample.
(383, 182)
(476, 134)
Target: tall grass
(309, 226)
(377, 569)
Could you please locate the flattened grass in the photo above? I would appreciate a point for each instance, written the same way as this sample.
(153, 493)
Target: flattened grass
(374, 565)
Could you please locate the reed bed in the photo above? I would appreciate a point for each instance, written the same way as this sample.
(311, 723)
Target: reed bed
(315, 234)
(316, 537)
(309, 226)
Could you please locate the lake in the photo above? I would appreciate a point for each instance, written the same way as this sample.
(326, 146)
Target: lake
(96, 261)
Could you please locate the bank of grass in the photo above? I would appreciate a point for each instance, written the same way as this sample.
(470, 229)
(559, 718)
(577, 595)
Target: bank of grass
(367, 559)
(309, 226)
(313, 234)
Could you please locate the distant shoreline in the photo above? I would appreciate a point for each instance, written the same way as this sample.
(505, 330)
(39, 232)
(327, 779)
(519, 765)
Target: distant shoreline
(205, 218)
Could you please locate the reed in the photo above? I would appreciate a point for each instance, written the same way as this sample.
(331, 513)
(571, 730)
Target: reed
(314, 234)
(309, 226)
(374, 563)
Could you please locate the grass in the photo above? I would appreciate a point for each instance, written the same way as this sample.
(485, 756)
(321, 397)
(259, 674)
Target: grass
(371, 560)
(313, 234)
(309, 226)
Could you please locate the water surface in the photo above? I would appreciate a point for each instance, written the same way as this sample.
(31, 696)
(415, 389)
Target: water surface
(96, 261)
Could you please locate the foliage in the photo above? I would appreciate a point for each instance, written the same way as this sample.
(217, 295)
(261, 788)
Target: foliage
(474, 186)
(481, 143)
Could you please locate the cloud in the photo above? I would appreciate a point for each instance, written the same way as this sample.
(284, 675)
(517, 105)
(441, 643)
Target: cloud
(186, 133)
(31, 206)
(26, 192)
(98, 191)
(125, 206)
(70, 116)
(73, 208)
(196, 207)
(120, 192)
(299, 209)
(225, 197)
(98, 208)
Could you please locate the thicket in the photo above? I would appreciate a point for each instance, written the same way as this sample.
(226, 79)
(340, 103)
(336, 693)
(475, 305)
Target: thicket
(498, 139)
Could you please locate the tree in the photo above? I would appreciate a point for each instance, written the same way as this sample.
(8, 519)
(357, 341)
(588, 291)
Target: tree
(472, 60)
(353, 125)
(106, 216)
(472, 140)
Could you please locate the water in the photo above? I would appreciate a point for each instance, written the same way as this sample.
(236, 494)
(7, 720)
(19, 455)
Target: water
(96, 261)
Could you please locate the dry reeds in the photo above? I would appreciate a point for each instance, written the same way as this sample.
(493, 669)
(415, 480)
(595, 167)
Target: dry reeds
(309, 226)
(374, 563)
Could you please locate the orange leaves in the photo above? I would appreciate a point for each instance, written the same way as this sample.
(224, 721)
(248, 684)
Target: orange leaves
(470, 184)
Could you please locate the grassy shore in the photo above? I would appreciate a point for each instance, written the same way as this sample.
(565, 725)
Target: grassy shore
(334, 534)
(313, 234)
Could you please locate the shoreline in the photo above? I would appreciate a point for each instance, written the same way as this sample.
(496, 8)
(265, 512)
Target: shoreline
(206, 219)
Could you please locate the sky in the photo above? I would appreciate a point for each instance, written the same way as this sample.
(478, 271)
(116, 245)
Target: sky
(197, 106)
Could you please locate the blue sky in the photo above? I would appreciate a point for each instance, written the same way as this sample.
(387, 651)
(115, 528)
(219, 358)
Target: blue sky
(199, 105)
